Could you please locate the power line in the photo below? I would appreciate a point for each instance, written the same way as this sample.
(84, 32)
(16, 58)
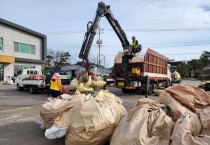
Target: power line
(178, 45)
(163, 54)
(194, 42)
(182, 53)
(164, 46)
(63, 32)
(162, 30)
(110, 46)
(134, 30)
(65, 47)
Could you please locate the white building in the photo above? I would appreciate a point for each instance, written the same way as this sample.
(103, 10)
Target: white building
(20, 48)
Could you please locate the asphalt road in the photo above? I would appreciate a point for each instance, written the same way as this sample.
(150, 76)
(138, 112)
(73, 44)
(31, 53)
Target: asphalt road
(20, 120)
(191, 83)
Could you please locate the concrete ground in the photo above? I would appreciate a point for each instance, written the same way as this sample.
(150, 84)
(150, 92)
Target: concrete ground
(20, 120)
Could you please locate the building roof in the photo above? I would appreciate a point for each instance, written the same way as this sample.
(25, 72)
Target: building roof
(173, 63)
(71, 67)
(29, 31)
(105, 70)
(8, 23)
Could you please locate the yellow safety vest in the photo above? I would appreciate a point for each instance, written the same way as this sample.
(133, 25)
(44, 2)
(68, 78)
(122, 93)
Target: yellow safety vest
(134, 43)
(55, 84)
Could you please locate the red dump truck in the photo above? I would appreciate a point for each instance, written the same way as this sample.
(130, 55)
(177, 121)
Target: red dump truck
(148, 73)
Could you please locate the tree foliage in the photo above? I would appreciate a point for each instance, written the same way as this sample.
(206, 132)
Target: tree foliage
(57, 59)
(183, 69)
(205, 59)
(197, 66)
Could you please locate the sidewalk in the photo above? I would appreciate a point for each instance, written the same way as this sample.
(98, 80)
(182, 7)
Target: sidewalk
(4, 85)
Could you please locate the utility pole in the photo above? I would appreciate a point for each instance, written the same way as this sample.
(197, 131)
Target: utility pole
(104, 61)
(99, 46)
(99, 42)
(97, 63)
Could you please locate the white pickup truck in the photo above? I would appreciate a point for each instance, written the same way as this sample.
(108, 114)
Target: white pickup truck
(30, 78)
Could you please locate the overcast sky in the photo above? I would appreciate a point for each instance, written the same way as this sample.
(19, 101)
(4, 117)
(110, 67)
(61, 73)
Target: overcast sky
(179, 29)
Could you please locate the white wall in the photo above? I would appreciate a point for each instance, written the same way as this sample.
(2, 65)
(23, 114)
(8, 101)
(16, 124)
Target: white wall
(8, 70)
(11, 35)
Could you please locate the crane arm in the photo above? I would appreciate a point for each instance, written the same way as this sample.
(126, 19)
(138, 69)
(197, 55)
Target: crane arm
(104, 10)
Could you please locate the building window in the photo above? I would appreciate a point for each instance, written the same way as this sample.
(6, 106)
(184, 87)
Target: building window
(32, 49)
(24, 48)
(1, 43)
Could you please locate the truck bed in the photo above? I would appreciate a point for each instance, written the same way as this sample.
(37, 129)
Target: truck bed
(32, 82)
(155, 62)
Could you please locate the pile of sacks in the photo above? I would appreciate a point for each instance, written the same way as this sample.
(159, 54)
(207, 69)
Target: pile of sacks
(36, 77)
(180, 117)
(86, 83)
(145, 124)
(190, 109)
(83, 119)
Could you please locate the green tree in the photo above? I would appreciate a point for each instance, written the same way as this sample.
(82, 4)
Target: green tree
(64, 58)
(205, 59)
(195, 65)
(57, 59)
(183, 69)
(57, 65)
(49, 59)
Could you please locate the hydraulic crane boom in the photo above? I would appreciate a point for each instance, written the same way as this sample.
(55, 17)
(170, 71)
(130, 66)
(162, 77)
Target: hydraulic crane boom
(104, 10)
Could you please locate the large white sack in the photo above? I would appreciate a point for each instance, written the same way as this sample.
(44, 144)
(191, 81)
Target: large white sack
(55, 132)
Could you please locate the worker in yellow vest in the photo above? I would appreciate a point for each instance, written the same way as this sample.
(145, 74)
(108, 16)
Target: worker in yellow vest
(135, 47)
(134, 42)
(55, 85)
